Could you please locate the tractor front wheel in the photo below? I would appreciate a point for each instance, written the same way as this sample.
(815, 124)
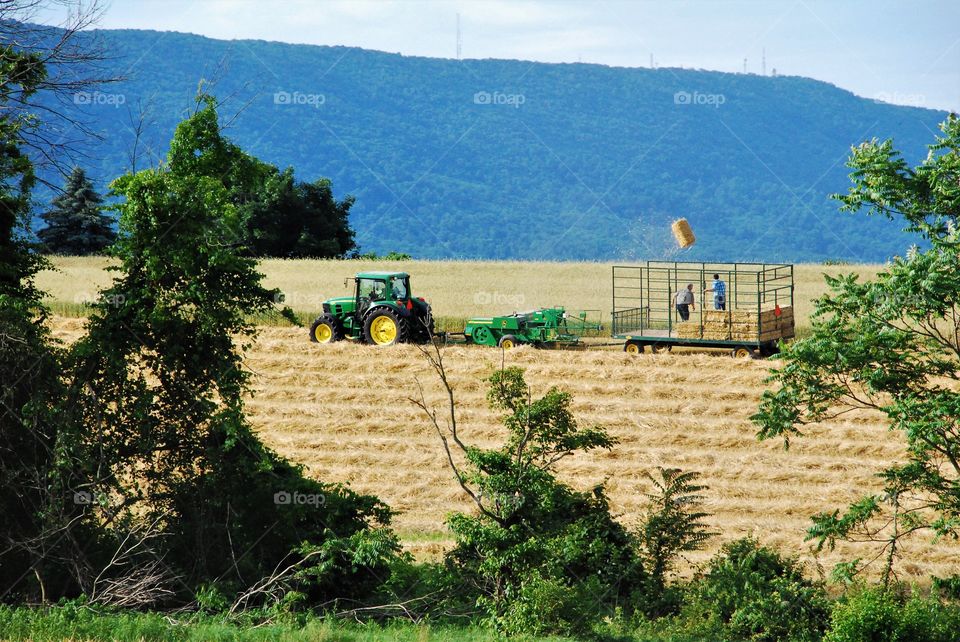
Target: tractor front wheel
(384, 327)
(325, 329)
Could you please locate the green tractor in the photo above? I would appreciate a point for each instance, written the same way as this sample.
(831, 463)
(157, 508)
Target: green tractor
(381, 311)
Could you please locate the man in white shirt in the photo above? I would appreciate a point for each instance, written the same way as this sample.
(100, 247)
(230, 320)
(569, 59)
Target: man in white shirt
(684, 300)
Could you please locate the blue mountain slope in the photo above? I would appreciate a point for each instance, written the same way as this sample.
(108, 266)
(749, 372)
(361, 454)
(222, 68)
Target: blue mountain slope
(512, 159)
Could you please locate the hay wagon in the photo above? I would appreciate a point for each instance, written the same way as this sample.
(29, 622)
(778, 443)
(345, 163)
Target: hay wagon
(758, 314)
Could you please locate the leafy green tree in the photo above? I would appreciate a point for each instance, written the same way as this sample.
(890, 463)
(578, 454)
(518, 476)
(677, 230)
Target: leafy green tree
(276, 214)
(27, 360)
(161, 384)
(76, 224)
(891, 345)
(299, 220)
(43, 532)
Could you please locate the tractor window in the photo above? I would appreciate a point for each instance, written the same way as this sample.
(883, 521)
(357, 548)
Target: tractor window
(399, 286)
(372, 289)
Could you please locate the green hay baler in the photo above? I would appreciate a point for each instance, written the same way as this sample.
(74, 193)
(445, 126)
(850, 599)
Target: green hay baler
(544, 327)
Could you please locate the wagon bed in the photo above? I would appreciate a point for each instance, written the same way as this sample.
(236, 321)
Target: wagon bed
(758, 314)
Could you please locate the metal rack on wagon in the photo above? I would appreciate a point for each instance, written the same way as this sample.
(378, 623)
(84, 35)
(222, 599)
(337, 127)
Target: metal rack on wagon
(759, 307)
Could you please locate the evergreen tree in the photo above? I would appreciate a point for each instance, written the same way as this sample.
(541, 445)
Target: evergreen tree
(76, 224)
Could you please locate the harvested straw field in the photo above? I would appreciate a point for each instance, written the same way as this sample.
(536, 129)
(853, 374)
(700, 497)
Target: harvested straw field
(342, 410)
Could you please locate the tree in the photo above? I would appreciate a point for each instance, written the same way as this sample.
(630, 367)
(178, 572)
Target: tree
(161, 383)
(276, 214)
(891, 345)
(43, 531)
(299, 220)
(76, 224)
(60, 63)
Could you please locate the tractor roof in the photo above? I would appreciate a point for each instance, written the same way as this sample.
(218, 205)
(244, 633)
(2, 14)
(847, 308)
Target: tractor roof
(381, 275)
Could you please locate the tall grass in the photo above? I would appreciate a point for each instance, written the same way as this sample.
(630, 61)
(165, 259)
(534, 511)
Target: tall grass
(75, 622)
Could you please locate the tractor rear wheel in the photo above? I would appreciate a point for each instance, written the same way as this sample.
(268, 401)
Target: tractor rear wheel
(508, 342)
(325, 329)
(423, 329)
(383, 327)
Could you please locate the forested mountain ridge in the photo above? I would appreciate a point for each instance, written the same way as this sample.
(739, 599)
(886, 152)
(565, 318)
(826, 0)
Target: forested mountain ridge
(513, 159)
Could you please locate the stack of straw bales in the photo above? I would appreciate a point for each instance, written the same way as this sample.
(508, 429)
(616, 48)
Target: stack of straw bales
(738, 325)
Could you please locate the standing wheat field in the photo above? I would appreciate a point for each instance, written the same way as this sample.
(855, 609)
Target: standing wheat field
(343, 410)
(456, 289)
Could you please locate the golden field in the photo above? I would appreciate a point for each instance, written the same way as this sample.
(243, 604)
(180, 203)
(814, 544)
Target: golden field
(455, 289)
(343, 411)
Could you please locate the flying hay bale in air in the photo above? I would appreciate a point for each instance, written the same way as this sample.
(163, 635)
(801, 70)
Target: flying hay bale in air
(683, 233)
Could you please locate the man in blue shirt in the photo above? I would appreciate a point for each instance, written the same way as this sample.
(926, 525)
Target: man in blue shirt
(719, 290)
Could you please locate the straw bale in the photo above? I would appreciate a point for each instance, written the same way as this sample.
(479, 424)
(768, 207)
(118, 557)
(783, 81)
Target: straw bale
(683, 233)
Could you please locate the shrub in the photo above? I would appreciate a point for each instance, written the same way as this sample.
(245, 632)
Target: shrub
(750, 591)
(947, 587)
(540, 556)
(389, 256)
(877, 615)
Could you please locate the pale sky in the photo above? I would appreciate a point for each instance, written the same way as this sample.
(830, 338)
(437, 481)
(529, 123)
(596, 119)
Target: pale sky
(898, 51)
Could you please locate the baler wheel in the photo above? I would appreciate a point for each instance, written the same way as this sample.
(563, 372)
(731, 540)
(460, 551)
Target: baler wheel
(482, 335)
(508, 342)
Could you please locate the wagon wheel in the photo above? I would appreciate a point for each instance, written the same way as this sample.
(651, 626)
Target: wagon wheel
(633, 347)
(744, 352)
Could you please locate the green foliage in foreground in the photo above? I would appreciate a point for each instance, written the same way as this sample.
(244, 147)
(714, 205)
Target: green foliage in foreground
(874, 615)
(864, 615)
(889, 345)
(80, 623)
(752, 592)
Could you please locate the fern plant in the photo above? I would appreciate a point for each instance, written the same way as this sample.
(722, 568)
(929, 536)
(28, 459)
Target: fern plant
(673, 524)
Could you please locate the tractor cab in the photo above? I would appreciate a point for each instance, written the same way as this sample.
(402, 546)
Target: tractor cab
(381, 286)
